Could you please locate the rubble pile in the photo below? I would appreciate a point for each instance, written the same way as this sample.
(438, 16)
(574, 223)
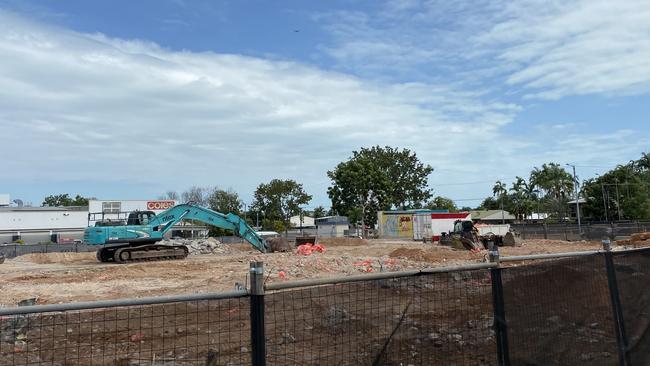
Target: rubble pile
(636, 239)
(202, 246)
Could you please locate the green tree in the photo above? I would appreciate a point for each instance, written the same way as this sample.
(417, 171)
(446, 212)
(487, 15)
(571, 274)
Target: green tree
(63, 200)
(279, 200)
(621, 193)
(225, 201)
(375, 179)
(556, 186)
(500, 191)
(523, 197)
(441, 203)
(319, 211)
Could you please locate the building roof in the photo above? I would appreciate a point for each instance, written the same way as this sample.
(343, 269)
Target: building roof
(332, 220)
(45, 208)
(491, 215)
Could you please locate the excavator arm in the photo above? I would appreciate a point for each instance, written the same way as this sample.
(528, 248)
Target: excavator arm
(164, 221)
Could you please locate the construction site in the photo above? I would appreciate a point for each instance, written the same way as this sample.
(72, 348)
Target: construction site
(64, 277)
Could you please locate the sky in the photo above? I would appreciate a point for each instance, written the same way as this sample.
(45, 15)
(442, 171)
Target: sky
(126, 100)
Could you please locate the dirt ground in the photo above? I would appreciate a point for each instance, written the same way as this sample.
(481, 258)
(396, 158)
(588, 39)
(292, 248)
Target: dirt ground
(64, 277)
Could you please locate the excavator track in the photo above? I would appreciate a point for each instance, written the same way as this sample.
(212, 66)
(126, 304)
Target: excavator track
(142, 253)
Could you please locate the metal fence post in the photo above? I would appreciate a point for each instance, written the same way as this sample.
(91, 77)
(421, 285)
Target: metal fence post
(545, 231)
(258, 341)
(621, 338)
(500, 325)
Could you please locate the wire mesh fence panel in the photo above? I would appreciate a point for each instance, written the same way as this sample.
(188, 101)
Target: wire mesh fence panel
(182, 333)
(559, 313)
(633, 277)
(433, 319)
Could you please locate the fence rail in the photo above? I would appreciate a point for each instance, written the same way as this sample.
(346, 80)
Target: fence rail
(580, 308)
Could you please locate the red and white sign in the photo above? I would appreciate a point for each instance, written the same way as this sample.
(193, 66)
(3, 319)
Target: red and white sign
(159, 205)
(444, 222)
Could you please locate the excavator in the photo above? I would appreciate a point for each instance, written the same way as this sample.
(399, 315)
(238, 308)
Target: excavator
(138, 239)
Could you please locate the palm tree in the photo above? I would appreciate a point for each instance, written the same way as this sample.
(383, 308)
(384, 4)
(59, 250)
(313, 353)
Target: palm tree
(555, 183)
(500, 191)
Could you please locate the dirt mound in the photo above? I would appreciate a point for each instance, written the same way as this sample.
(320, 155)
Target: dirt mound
(410, 253)
(279, 245)
(636, 239)
(60, 258)
(342, 242)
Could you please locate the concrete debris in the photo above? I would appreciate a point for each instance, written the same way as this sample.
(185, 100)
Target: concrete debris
(636, 239)
(201, 246)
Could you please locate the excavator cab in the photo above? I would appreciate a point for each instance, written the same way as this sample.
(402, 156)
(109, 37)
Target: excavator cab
(140, 217)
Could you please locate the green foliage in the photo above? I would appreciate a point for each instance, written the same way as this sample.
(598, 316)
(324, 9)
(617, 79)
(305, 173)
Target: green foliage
(19, 241)
(441, 203)
(64, 200)
(623, 192)
(278, 200)
(319, 212)
(224, 201)
(375, 179)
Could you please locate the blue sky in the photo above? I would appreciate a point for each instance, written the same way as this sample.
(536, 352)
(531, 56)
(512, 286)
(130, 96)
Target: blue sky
(130, 99)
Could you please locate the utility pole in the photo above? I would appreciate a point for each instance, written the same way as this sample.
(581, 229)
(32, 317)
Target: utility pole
(577, 196)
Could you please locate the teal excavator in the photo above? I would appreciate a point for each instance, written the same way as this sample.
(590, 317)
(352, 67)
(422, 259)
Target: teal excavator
(138, 239)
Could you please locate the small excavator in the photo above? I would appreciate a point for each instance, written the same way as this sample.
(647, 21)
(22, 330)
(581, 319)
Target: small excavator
(138, 239)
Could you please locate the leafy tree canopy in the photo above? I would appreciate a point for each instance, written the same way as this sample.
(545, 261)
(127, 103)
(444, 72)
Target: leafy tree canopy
(441, 203)
(278, 200)
(378, 178)
(62, 200)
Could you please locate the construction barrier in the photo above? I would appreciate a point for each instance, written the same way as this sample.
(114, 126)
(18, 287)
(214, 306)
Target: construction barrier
(586, 308)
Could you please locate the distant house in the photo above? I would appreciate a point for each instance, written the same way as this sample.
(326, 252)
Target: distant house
(492, 216)
(306, 222)
(332, 226)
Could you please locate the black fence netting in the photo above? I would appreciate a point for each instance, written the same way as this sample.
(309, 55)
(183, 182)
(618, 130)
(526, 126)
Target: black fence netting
(633, 278)
(183, 333)
(432, 319)
(559, 313)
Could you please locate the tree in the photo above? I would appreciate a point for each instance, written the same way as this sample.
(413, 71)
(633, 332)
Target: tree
(523, 197)
(170, 195)
(319, 212)
(499, 190)
(375, 179)
(555, 185)
(489, 204)
(196, 195)
(442, 203)
(62, 200)
(621, 193)
(279, 200)
(225, 201)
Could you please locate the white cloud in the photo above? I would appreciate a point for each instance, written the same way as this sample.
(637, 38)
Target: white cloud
(575, 48)
(80, 107)
(87, 107)
(551, 49)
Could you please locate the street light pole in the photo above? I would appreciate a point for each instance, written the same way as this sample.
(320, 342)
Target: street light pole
(577, 196)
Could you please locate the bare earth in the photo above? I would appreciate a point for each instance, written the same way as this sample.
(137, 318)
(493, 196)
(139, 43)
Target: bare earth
(65, 277)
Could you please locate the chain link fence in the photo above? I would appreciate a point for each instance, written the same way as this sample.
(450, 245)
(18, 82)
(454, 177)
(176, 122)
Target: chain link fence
(590, 308)
(587, 231)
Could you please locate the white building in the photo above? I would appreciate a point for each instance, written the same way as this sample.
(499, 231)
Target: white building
(306, 221)
(62, 224)
(99, 210)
